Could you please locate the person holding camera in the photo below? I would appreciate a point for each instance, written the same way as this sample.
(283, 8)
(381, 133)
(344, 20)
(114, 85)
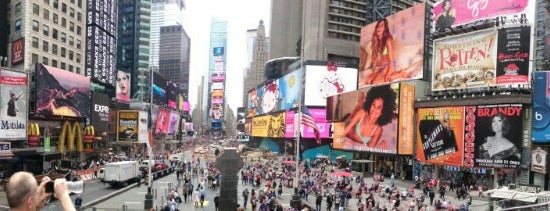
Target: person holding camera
(25, 194)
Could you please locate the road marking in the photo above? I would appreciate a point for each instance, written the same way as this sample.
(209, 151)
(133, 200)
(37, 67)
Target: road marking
(132, 202)
(142, 192)
(286, 194)
(285, 205)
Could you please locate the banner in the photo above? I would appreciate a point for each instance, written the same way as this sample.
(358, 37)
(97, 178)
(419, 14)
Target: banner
(162, 124)
(541, 108)
(291, 118)
(406, 119)
(323, 82)
(127, 126)
(370, 123)
(143, 130)
(492, 136)
(259, 125)
(13, 105)
(123, 85)
(464, 61)
(538, 160)
(61, 93)
(273, 126)
(441, 134)
(392, 48)
(513, 55)
(319, 115)
(18, 51)
(291, 87)
(100, 111)
(452, 13)
(174, 122)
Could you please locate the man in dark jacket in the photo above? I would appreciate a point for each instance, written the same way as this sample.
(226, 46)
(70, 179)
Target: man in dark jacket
(217, 202)
(329, 202)
(318, 201)
(431, 194)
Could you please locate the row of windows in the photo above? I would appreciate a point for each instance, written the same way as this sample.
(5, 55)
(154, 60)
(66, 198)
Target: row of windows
(46, 13)
(350, 21)
(341, 36)
(55, 63)
(56, 34)
(348, 5)
(63, 5)
(63, 51)
(55, 19)
(350, 13)
(344, 28)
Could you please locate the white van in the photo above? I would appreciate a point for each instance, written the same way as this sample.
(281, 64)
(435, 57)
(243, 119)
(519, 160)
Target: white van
(101, 174)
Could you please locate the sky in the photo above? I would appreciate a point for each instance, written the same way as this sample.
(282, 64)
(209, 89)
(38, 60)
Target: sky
(241, 16)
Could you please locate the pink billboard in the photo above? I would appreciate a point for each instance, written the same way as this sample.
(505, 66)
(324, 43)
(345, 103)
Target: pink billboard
(319, 115)
(452, 13)
(289, 124)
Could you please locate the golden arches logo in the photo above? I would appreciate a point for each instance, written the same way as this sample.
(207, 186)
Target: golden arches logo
(33, 129)
(70, 134)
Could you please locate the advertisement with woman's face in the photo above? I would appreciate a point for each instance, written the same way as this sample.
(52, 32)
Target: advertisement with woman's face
(123, 87)
(497, 139)
(370, 124)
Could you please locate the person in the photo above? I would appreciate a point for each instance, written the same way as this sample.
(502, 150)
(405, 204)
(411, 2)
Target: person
(196, 198)
(25, 194)
(245, 196)
(123, 88)
(12, 110)
(370, 115)
(202, 193)
(185, 192)
(318, 201)
(431, 194)
(217, 202)
(447, 17)
(329, 202)
(498, 147)
(78, 201)
(380, 58)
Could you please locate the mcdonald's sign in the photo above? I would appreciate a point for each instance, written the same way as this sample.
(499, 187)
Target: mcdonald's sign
(34, 135)
(17, 51)
(89, 135)
(71, 134)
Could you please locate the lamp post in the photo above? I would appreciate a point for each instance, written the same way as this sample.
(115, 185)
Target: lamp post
(148, 203)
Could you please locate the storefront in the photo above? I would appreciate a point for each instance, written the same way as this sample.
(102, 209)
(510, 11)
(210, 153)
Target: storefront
(522, 195)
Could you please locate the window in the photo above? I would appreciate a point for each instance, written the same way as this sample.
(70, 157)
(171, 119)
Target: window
(63, 51)
(62, 65)
(79, 16)
(17, 8)
(71, 12)
(71, 55)
(54, 63)
(55, 18)
(70, 68)
(78, 70)
(45, 45)
(35, 43)
(78, 30)
(71, 26)
(45, 30)
(78, 44)
(46, 14)
(63, 22)
(35, 25)
(46, 2)
(54, 49)
(79, 3)
(54, 34)
(45, 60)
(18, 25)
(78, 58)
(71, 40)
(56, 4)
(64, 8)
(34, 58)
(63, 37)
(35, 9)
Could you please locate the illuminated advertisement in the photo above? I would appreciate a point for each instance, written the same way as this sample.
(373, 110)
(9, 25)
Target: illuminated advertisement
(159, 89)
(174, 122)
(541, 108)
(452, 13)
(13, 98)
(173, 91)
(127, 126)
(180, 102)
(326, 81)
(162, 124)
(406, 119)
(465, 61)
(100, 111)
(392, 48)
(218, 51)
(319, 115)
(217, 76)
(217, 85)
(273, 126)
(270, 97)
(373, 104)
(513, 55)
(218, 100)
(123, 85)
(291, 87)
(216, 112)
(440, 135)
(252, 103)
(217, 93)
(491, 137)
(17, 51)
(143, 131)
(61, 93)
(290, 124)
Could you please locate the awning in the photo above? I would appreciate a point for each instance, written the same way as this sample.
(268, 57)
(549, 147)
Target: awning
(503, 194)
(526, 197)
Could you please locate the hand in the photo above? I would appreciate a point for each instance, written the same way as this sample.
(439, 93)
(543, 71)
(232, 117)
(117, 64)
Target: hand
(60, 188)
(41, 194)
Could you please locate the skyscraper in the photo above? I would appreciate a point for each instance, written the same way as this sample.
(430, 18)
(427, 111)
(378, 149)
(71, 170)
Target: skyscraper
(163, 13)
(216, 75)
(175, 56)
(134, 20)
(260, 54)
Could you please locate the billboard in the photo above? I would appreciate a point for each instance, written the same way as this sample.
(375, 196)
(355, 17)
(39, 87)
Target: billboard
(440, 137)
(452, 13)
(143, 130)
(100, 111)
(181, 99)
(538, 160)
(127, 126)
(252, 103)
(273, 126)
(218, 100)
(123, 85)
(492, 137)
(173, 91)
(159, 89)
(406, 119)
(392, 49)
(465, 61)
(13, 101)
(61, 93)
(100, 55)
(217, 93)
(291, 87)
(541, 108)
(174, 122)
(319, 115)
(369, 124)
(18, 51)
(270, 97)
(217, 76)
(325, 81)
(217, 85)
(513, 55)
(216, 112)
(162, 124)
(218, 51)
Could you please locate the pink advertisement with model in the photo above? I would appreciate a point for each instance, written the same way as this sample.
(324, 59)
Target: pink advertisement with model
(319, 115)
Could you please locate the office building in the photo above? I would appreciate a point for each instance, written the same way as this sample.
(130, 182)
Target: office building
(163, 13)
(260, 54)
(175, 56)
(217, 74)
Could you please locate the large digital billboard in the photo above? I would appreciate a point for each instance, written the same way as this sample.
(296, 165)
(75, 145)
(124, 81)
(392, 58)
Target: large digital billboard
(291, 87)
(252, 102)
(319, 115)
(541, 108)
(217, 76)
(100, 55)
(127, 126)
(465, 61)
(163, 121)
(173, 91)
(492, 137)
(100, 111)
(123, 85)
(270, 97)
(273, 126)
(216, 112)
(159, 89)
(174, 122)
(13, 101)
(61, 93)
(325, 81)
(451, 13)
(440, 137)
(392, 49)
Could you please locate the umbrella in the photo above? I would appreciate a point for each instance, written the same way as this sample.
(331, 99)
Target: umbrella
(288, 162)
(342, 174)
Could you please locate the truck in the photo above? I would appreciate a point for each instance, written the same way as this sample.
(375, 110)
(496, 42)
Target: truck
(122, 173)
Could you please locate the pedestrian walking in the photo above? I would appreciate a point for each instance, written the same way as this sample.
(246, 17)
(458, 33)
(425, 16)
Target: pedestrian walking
(245, 197)
(217, 202)
(442, 192)
(329, 201)
(431, 194)
(318, 201)
(185, 192)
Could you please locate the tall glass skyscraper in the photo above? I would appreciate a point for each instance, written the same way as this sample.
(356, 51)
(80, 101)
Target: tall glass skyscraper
(216, 76)
(163, 13)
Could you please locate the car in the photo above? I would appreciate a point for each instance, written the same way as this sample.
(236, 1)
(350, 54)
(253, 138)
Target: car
(161, 166)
